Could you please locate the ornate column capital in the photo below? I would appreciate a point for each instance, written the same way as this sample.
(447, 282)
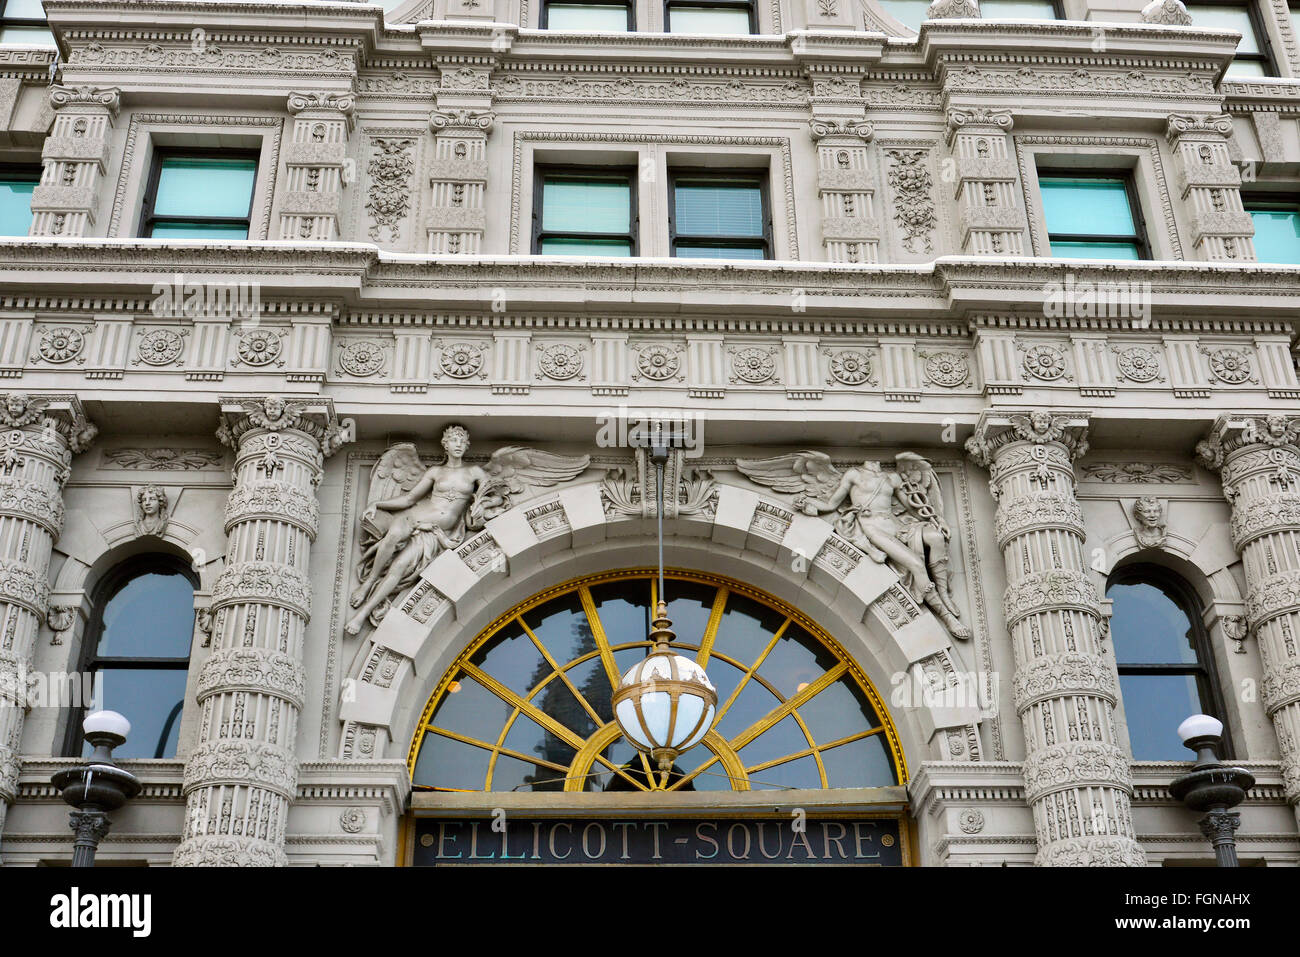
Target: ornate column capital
(963, 117)
(1235, 432)
(60, 415)
(106, 98)
(313, 416)
(1198, 126)
(320, 101)
(465, 120)
(828, 127)
(998, 429)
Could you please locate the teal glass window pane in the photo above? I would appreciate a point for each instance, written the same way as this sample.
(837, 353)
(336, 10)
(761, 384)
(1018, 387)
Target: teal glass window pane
(1154, 706)
(1247, 68)
(586, 206)
(24, 10)
(198, 231)
(205, 187)
(16, 205)
(1123, 251)
(718, 252)
(908, 12)
(1017, 10)
(1149, 627)
(30, 36)
(152, 700)
(1086, 206)
(1277, 235)
(586, 247)
(151, 616)
(864, 763)
(1211, 16)
(447, 763)
(719, 209)
(728, 20)
(603, 17)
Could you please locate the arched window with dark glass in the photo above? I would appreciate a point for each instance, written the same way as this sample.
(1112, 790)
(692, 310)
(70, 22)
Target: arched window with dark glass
(138, 647)
(1162, 650)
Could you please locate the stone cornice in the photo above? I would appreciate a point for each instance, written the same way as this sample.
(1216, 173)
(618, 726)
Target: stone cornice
(361, 276)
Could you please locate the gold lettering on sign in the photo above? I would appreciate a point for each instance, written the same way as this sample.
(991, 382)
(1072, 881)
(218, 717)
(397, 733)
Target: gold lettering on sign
(860, 839)
(800, 837)
(827, 839)
(586, 849)
(701, 836)
(442, 836)
(554, 853)
(654, 827)
(762, 849)
(624, 825)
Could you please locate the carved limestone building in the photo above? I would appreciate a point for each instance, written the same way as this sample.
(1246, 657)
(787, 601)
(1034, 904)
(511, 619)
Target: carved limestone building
(328, 334)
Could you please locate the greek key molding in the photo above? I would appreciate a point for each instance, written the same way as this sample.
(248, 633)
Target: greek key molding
(254, 670)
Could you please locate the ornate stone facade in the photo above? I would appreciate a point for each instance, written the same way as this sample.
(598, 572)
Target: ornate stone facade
(907, 328)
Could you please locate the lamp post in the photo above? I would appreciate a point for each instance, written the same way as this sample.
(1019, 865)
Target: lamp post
(1212, 786)
(665, 704)
(97, 786)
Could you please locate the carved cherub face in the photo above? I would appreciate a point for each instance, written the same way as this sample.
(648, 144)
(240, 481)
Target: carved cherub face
(455, 440)
(1040, 421)
(1276, 426)
(15, 405)
(274, 407)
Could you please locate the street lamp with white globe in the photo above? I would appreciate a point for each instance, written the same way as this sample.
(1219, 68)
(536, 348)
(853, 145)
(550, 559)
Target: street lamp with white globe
(97, 785)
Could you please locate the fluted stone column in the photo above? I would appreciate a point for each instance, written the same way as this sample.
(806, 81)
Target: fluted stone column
(1076, 775)
(242, 776)
(38, 437)
(1258, 462)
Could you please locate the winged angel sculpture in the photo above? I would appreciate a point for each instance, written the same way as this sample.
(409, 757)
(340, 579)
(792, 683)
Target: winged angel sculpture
(895, 517)
(414, 513)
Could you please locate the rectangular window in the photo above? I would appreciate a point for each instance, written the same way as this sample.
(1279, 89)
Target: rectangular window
(1277, 227)
(200, 194)
(1021, 10)
(1092, 215)
(585, 211)
(719, 16)
(1254, 52)
(715, 215)
(16, 185)
(23, 21)
(597, 16)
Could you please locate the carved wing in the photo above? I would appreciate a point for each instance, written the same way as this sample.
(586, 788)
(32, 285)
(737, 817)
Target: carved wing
(921, 495)
(515, 470)
(800, 473)
(395, 474)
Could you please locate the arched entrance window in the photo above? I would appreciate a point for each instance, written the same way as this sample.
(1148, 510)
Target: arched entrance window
(138, 647)
(1166, 670)
(527, 705)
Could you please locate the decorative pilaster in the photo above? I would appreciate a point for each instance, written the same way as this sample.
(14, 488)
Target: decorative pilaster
(1211, 185)
(75, 157)
(1258, 461)
(38, 437)
(850, 226)
(241, 778)
(986, 182)
(457, 218)
(315, 163)
(1076, 775)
